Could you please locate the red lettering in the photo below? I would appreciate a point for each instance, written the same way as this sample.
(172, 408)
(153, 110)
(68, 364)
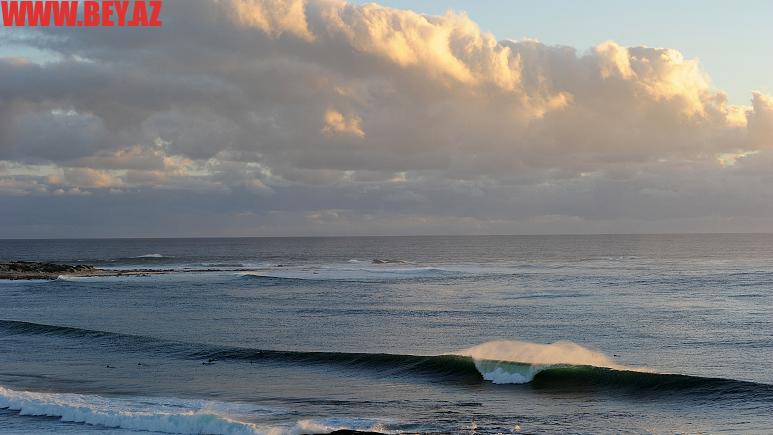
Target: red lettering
(26, 12)
(155, 7)
(65, 13)
(121, 7)
(91, 13)
(11, 15)
(107, 11)
(41, 13)
(140, 14)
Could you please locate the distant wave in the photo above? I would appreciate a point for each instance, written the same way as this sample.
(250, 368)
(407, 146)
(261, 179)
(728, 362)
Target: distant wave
(354, 274)
(378, 261)
(388, 261)
(352, 270)
(215, 265)
(561, 365)
(168, 415)
(70, 278)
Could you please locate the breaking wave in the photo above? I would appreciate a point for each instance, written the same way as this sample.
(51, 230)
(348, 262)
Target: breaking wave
(561, 365)
(388, 261)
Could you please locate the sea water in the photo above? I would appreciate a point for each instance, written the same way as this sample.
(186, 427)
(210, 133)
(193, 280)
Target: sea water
(538, 334)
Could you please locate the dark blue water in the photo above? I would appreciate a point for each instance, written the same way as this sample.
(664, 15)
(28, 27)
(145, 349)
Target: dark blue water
(554, 334)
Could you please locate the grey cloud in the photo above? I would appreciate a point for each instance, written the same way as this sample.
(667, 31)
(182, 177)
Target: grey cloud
(304, 107)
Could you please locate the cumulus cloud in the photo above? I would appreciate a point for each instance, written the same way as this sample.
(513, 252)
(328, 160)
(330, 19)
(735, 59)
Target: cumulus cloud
(273, 16)
(761, 121)
(337, 123)
(374, 109)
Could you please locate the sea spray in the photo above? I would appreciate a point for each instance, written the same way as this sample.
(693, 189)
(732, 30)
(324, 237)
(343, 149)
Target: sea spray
(517, 362)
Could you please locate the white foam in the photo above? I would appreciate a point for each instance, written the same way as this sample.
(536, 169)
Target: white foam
(100, 278)
(146, 414)
(74, 278)
(150, 256)
(502, 372)
(171, 415)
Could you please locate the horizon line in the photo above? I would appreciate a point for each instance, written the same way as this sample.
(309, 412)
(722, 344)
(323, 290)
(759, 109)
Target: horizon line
(725, 233)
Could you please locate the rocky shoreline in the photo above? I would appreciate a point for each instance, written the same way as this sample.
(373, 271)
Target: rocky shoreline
(25, 270)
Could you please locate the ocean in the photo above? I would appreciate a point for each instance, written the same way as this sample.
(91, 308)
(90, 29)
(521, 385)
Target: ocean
(495, 334)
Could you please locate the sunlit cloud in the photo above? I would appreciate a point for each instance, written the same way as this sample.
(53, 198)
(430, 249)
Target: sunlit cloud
(266, 107)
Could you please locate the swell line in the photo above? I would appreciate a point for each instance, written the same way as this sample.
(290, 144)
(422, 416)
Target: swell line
(448, 368)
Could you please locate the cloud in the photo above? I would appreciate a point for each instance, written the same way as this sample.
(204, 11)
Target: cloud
(378, 111)
(761, 121)
(337, 123)
(273, 16)
(86, 177)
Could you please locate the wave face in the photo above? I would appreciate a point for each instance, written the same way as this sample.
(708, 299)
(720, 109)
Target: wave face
(561, 365)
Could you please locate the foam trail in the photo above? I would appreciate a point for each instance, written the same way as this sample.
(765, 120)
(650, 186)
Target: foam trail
(150, 256)
(79, 278)
(169, 415)
(111, 278)
(517, 362)
(146, 414)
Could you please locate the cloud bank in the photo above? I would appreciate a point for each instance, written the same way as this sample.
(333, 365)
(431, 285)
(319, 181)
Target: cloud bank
(260, 117)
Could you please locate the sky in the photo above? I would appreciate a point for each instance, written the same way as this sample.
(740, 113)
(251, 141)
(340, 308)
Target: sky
(729, 38)
(322, 117)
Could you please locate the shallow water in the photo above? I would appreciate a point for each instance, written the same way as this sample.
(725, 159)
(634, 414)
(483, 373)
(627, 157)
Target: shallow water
(667, 334)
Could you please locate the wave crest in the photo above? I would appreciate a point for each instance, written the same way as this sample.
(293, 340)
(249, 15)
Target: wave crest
(560, 352)
(518, 362)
